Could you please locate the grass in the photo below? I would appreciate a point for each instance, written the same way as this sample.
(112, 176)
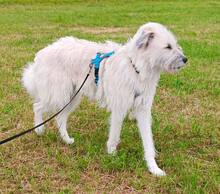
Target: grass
(185, 112)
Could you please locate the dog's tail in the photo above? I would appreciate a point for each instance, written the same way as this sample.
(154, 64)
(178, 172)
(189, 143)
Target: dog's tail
(28, 79)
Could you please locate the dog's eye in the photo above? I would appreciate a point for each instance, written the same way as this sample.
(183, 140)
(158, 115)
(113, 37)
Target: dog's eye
(168, 47)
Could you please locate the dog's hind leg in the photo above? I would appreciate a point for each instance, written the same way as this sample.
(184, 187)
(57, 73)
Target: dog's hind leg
(38, 117)
(62, 121)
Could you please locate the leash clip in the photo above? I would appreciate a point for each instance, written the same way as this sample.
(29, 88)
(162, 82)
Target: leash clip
(90, 67)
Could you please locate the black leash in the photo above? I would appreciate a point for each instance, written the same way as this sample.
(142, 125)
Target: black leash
(31, 129)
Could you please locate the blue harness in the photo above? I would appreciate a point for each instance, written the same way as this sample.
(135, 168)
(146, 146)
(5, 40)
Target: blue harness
(96, 62)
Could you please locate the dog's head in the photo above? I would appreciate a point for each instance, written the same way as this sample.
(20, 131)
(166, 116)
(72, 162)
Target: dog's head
(158, 45)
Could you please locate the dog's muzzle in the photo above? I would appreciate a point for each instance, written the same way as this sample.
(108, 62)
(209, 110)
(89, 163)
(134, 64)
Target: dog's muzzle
(178, 64)
(184, 59)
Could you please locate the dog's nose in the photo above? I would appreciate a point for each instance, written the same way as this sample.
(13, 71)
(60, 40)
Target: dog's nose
(185, 59)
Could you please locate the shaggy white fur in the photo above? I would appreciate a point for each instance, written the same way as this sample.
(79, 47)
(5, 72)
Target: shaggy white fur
(128, 80)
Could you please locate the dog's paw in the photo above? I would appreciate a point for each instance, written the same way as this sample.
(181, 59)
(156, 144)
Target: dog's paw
(111, 148)
(156, 171)
(68, 140)
(39, 130)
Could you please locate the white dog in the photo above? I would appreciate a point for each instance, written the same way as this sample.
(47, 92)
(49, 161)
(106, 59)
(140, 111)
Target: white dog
(128, 80)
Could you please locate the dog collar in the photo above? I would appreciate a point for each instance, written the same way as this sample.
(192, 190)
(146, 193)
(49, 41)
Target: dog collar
(135, 68)
(96, 62)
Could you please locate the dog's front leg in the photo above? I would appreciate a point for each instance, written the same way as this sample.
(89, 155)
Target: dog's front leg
(115, 131)
(144, 123)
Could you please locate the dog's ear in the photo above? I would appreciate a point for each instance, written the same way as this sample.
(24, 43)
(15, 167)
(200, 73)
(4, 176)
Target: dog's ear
(144, 39)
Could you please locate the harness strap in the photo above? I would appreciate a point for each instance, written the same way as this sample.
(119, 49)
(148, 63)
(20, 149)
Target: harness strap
(96, 62)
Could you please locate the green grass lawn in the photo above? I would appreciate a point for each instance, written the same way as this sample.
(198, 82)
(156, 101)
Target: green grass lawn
(186, 111)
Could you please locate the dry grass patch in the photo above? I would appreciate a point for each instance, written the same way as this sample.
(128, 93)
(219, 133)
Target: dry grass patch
(102, 30)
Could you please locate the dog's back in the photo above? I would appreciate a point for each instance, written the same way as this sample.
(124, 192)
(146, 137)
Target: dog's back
(59, 68)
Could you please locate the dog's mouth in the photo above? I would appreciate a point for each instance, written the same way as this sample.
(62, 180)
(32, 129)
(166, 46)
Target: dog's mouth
(174, 69)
